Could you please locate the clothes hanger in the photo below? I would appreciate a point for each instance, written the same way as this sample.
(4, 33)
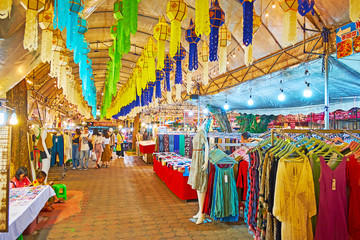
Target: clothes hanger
(305, 139)
(297, 151)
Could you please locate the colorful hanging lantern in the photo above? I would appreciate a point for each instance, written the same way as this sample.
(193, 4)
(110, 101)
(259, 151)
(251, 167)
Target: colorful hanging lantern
(82, 25)
(150, 52)
(306, 6)
(248, 10)
(32, 7)
(159, 77)
(193, 40)
(217, 19)
(161, 34)
(202, 18)
(5, 8)
(179, 56)
(290, 8)
(248, 50)
(45, 23)
(169, 66)
(224, 41)
(204, 55)
(118, 8)
(354, 10)
(176, 11)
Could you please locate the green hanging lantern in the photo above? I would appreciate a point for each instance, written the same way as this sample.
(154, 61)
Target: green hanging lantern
(118, 10)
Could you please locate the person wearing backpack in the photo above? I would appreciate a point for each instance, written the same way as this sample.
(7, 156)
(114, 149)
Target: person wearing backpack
(85, 147)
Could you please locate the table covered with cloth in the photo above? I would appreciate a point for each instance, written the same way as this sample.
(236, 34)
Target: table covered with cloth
(147, 147)
(173, 170)
(25, 205)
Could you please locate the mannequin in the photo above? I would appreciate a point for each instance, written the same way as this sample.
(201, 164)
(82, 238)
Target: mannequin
(198, 173)
(45, 161)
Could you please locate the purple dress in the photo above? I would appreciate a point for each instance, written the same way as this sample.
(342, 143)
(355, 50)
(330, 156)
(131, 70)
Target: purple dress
(332, 218)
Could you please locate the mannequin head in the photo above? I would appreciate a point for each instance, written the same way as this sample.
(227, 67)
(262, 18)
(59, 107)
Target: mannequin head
(35, 130)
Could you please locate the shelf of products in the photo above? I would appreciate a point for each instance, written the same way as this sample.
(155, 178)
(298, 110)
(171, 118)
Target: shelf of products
(5, 150)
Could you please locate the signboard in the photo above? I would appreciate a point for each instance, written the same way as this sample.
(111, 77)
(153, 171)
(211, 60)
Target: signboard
(348, 40)
(101, 124)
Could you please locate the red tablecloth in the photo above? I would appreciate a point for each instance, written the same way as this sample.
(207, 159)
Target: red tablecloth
(147, 148)
(175, 181)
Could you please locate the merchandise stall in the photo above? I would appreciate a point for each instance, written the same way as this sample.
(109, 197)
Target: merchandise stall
(147, 148)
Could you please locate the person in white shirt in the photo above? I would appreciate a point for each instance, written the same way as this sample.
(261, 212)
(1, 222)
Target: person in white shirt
(85, 141)
(105, 158)
(98, 141)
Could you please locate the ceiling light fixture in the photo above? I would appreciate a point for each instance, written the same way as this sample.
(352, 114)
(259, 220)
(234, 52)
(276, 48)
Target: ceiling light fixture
(281, 96)
(250, 101)
(307, 92)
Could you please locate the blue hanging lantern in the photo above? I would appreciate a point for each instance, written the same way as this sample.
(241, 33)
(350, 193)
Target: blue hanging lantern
(306, 6)
(159, 77)
(248, 19)
(193, 40)
(151, 92)
(179, 56)
(82, 25)
(169, 66)
(217, 19)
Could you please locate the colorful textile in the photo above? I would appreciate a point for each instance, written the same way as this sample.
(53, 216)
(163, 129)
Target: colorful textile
(171, 143)
(353, 174)
(161, 143)
(176, 143)
(166, 143)
(182, 145)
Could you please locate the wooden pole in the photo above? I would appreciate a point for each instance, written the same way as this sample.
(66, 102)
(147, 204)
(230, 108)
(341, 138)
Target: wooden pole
(136, 130)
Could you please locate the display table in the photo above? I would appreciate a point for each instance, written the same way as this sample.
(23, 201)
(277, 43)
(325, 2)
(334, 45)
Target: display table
(25, 205)
(147, 148)
(174, 179)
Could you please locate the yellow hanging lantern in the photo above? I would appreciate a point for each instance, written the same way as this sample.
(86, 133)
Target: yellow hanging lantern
(150, 52)
(202, 18)
(161, 34)
(224, 41)
(31, 26)
(354, 10)
(45, 22)
(176, 11)
(204, 55)
(290, 8)
(5, 8)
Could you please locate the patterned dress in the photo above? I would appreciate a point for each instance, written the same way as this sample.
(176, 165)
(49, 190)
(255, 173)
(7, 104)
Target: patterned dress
(198, 178)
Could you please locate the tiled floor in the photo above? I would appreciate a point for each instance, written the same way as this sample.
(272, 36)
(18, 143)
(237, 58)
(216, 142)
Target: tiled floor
(128, 201)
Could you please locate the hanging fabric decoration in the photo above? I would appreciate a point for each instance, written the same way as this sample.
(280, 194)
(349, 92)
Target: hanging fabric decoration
(180, 55)
(354, 10)
(159, 78)
(225, 40)
(188, 78)
(176, 11)
(32, 8)
(217, 19)
(150, 52)
(290, 8)
(204, 54)
(202, 18)
(169, 66)
(161, 34)
(58, 44)
(45, 22)
(5, 8)
(306, 6)
(248, 50)
(248, 9)
(193, 40)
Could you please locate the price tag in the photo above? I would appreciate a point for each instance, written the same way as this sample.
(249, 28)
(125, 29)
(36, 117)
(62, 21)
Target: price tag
(334, 184)
(226, 178)
(56, 140)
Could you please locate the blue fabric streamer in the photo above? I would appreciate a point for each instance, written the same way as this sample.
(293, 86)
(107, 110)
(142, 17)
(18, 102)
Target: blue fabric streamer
(248, 22)
(179, 56)
(306, 6)
(159, 77)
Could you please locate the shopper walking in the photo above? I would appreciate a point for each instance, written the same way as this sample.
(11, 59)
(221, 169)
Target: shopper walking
(85, 141)
(75, 149)
(98, 141)
(119, 142)
(105, 158)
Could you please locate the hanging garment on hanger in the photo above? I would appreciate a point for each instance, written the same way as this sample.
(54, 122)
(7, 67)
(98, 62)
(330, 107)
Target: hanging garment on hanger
(241, 181)
(57, 149)
(294, 200)
(210, 190)
(188, 146)
(176, 144)
(353, 177)
(182, 145)
(171, 143)
(166, 143)
(161, 143)
(332, 217)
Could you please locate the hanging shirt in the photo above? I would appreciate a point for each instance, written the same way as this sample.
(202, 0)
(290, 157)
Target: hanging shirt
(353, 179)
(294, 200)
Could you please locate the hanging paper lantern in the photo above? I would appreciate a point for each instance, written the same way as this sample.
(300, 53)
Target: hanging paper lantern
(169, 66)
(176, 11)
(5, 8)
(179, 56)
(217, 19)
(224, 41)
(32, 7)
(150, 52)
(290, 8)
(202, 18)
(248, 9)
(248, 50)
(306, 6)
(118, 8)
(354, 10)
(45, 22)
(193, 40)
(82, 25)
(204, 55)
(161, 34)
(159, 77)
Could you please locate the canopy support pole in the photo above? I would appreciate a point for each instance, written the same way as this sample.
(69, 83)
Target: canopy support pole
(325, 34)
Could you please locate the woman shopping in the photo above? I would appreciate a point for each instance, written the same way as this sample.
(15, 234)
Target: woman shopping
(20, 179)
(75, 149)
(105, 158)
(98, 141)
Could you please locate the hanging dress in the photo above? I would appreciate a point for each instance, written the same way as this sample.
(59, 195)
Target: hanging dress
(197, 177)
(353, 173)
(332, 218)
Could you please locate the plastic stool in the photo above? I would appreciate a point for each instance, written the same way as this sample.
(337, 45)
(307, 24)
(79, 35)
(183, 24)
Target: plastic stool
(20, 237)
(57, 188)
